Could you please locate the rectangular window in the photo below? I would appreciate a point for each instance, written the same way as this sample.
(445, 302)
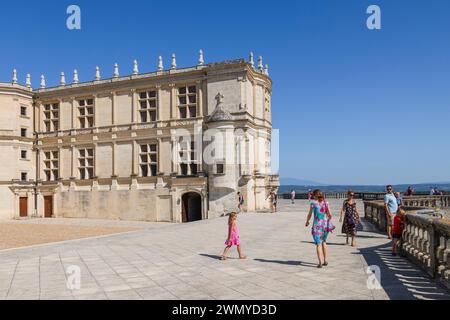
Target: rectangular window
(24, 176)
(220, 168)
(23, 111)
(51, 117)
(86, 163)
(51, 165)
(148, 160)
(148, 102)
(23, 132)
(23, 154)
(187, 156)
(187, 102)
(86, 113)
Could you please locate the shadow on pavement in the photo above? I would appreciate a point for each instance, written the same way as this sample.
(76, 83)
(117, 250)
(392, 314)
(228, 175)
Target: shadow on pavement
(290, 263)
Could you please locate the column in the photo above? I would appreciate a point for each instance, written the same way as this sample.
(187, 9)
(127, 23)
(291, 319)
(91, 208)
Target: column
(114, 159)
(159, 156)
(113, 108)
(135, 160)
(200, 98)
(133, 106)
(158, 103)
(174, 151)
(173, 101)
(73, 174)
(74, 113)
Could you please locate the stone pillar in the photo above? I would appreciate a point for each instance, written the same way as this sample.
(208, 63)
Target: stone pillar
(174, 152)
(114, 159)
(73, 173)
(173, 101)
(135, 160)
(74, 113)
(158, 102)
(200, 98)
(113, 108)
(134, 106)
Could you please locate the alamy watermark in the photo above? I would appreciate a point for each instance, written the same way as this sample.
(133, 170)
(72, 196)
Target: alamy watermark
(374, 20)
(374, 277)
(73, 281)
(73, 22)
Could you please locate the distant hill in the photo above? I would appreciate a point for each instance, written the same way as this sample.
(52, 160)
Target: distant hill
(303, 188)
(299, 182)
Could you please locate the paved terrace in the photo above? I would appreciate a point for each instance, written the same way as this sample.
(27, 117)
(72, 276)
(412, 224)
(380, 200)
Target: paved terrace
(182, 262)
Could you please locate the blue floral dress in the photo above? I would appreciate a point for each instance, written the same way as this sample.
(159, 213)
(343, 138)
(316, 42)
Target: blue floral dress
(320, 224)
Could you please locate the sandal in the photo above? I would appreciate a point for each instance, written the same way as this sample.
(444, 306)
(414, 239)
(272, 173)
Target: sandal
(319, 265)
(325, 263)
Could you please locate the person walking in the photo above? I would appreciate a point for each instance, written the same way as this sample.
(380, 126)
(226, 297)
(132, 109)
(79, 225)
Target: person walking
(240, 201)
(321, 226)
(293, 194)
(310, 195)
(233, 237)
(350, 217)
(391, 206)
(273, 197)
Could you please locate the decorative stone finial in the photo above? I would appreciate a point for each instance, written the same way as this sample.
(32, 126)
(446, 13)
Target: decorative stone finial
(97, 74)
(219, 98)
(266, 70)
(201, 60)
(220, 113)
(252, 60)
(260, 64)
(174, 62)
(160, 64)
(43, 85)
(14, 77)
(75, 77)
(28, 81)
(62, 81)
(116, 70)
(135, 68)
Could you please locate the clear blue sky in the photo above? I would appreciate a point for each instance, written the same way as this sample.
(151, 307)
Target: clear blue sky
(353, 106)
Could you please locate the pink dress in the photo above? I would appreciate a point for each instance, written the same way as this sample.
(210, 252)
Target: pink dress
(234, 237)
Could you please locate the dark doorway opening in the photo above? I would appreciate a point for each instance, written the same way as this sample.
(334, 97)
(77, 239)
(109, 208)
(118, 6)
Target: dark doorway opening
(191, 207)
(23, 207)
(48, 206)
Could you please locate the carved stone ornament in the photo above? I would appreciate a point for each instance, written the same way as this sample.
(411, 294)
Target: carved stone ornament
(220, 114)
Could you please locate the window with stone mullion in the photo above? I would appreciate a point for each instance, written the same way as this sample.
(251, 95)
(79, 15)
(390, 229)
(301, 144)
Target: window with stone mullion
(86, 163)
(187, 102)
(51, 165)
(51, 117)
(148, 158)
(148, 106)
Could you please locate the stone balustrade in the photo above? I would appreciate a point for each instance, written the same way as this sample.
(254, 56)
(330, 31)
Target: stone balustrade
(428, 201)
(426, 242)
(426, 236)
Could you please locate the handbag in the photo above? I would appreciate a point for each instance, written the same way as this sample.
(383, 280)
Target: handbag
(330, 226)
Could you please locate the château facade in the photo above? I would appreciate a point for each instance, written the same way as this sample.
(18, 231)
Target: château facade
(173, 145)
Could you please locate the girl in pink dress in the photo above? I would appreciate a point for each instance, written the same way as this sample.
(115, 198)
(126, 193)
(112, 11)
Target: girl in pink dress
(233, 237)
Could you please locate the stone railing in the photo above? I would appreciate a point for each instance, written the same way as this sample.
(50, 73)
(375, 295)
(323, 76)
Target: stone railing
(427, 201)
(426, 242)
(375, 212)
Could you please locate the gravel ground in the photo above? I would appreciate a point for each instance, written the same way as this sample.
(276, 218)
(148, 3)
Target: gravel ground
(22, 234)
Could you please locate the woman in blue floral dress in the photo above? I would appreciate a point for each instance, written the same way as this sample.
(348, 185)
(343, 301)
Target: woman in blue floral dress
(321, 225)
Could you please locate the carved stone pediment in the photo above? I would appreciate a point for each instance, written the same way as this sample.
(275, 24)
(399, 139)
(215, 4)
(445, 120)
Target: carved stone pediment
(220, 113)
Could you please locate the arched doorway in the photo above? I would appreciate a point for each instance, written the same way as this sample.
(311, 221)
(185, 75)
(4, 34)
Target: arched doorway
(191, 207)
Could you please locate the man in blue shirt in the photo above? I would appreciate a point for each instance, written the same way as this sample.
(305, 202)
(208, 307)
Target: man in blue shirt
(391, 205)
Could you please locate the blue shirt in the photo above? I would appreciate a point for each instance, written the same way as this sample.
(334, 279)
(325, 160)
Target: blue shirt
(391, 201)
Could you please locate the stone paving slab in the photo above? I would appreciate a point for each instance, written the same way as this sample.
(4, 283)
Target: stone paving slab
(181, 261)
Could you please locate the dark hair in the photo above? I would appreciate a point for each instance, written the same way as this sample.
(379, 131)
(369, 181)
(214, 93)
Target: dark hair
(318, 195)
(389, 186)
(349, 192)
